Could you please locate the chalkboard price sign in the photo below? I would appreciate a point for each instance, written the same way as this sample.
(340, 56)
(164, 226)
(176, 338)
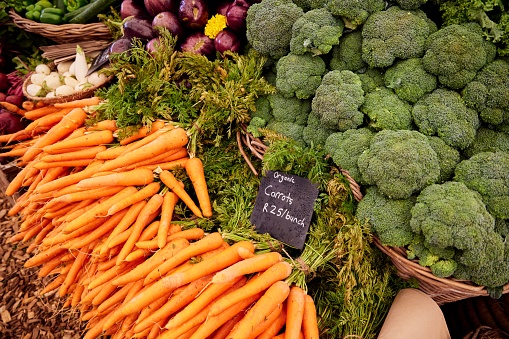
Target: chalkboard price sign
(284, 207)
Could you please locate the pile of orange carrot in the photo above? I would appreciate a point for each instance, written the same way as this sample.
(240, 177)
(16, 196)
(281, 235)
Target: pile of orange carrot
(99, 221)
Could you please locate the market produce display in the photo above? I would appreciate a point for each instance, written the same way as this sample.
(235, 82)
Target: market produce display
(137, 199)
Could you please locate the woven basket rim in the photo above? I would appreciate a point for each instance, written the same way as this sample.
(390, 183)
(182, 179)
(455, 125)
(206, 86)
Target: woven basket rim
(89, 92)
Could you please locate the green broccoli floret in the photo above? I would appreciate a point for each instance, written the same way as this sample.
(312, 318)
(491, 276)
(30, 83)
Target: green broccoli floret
(386, 110)
(444, 113)
(288, 129)
(455, 53)
(410, 4)
(348, 54)
(316, 32)
(307, 5)
(289, 109)
(487, 140)
(488, 93)
(299, 75)
(263, 109)
(451, 215)
(371, 78)
(488, 174)
(502, 227)
(400, 163)
(315, 134)
(409, 80)
(444, 268)
(345, 148)
(389, 218)
(395, 34)
(337, 100)
(354, 12)
(269, 26)
(448, 158)
(254, 126)
(417, 249)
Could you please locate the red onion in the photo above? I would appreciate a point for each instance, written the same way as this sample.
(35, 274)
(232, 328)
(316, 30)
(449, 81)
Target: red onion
(198, 43)
(227, 40)
(193, 14)
(132, 8)
(236, 16)
(155, 7)
(10, 122)
(222, 7)
(170, 21)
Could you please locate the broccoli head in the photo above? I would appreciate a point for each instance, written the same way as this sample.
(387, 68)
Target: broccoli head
(354, 12)
(315, 134)
(288, 129)
(455, 53)
(388, 218)
(450, 215)
(487, 140)
(299, 75)
(444, 113)
(254, 126)
(444, 268)
(262, 109)
(400, 163)
(289, 109)
(337, 100)
(448, 158)
(488, 174)
(316, 32)
(409, 80)
(386, 110)
(345, 148)
(410, 4)
(371, 78)
(348, 54)
(488, 93)
(307, 5)
(395, 34)
(269, 26)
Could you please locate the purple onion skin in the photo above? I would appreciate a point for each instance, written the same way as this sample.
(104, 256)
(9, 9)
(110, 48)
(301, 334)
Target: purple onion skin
(152, 45)
(155, 7)
(198, 43)
(132, 8)
(236, 16)
(139, 28)
(222, 7)
(193, 14)
(15, 100)
(170, 21)
(227, 40)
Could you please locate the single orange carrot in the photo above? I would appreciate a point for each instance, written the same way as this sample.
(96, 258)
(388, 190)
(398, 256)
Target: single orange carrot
(40, 112)
(19, 179)
(53, 285)
(209, 242)
(85, 194)
(67, 163)
(190, 234)
(85, 153)
(111, 153)
(276, 294)
(258, 263)
(47, 121)
(44, 256)
(224, 329)
(92, 101)
(170, 199)
(258, 284)
(110, 125)
(170, 165)
(171, 155)
(135, 177)
(144, 193)
(94, 138)
(268, 321)
(194, 169)
(13, 108)
(171, 139)
(76, 266)
(153, 206)
(214, 322)
(294, 312)
(141, 271)
(70, 122)
(115, 298)
(309, 319)
(172, 183)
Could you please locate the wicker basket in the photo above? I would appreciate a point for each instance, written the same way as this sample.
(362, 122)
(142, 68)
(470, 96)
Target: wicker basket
(65, 33)
(89, 92)
(441, 290)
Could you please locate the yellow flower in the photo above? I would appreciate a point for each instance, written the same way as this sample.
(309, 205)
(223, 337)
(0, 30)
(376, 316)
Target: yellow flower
(215, 25)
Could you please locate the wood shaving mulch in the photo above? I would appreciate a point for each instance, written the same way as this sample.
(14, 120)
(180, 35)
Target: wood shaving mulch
(24, 314)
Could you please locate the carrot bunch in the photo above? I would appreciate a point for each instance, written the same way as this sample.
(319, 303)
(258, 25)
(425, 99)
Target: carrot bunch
(100, 222)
